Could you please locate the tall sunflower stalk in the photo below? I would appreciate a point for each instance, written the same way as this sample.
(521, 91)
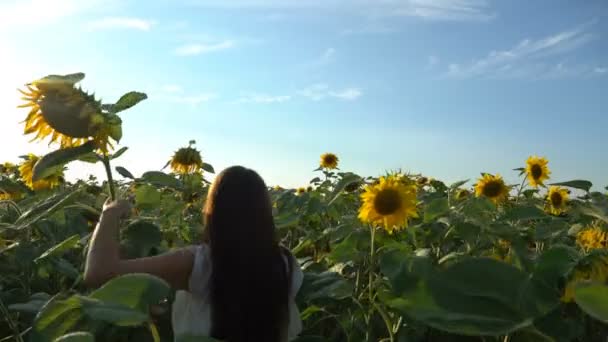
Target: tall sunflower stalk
(73, 119)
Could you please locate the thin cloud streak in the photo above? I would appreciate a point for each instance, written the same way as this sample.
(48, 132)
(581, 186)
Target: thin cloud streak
(121, 23)
(198, 49)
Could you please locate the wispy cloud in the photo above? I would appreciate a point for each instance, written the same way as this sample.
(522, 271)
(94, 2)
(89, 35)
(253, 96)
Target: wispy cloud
(453, 10)
(193, 100)
(600, 70)
(264, 98)
(320, 91)
(172, 88)
(327, 56)
(199, 48)
(525, 58)
(348, 94)
(432, 61)
(374, 28)
(121, 23)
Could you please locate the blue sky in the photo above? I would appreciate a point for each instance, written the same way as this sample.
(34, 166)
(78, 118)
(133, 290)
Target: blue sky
(448, 88)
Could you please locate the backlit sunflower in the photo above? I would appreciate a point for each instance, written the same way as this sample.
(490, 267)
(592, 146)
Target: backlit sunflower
(556, 200)
(26, 170)
(10, 195)
(390, 203)
(300, 190)
(186, 160)
(537, 171)
(592, 237)
(493, 187)
(595, 270)
(329, 161)
(68, 115)
(277, 188)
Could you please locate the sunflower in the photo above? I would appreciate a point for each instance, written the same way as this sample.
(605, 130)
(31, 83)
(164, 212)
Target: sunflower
(300, 190)
(186, 160)
(7, 168)
(329, 161)
(492, 187)
(592, 237)
(26, 170)
(537, 171)
(462, 194)
(595, 270)
(389, 203)
(277, 188)
(10, 195)
(68, 115)
(557, 199)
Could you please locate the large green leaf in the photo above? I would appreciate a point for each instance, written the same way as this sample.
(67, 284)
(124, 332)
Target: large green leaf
(60, 248)
(325, 285)
(140, 237)
(435, 209)
(161, 179)
(147, 197)
(56, 318)
(208, 168)
(127, 101)
(119, 153)
(136, 291)
(476, 296)
(577, 184)
(524, 213)
(347, 178)
(49, 164)
(80, 336)
(124, 172)
(33, 306)
(116, 314)
(593, 299)
(67, 79)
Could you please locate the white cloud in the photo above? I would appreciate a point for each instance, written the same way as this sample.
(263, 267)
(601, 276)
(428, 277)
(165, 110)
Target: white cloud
(600, 70)
(197, 49)
(328, 56)
(320, 91)
(455, 10)
(522, 59)
(264, 98)
(348, 94)
(121, 23)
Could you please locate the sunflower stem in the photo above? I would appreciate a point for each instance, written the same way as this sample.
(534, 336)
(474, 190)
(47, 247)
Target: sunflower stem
(372, 254)
(106, 164)
(521, 188)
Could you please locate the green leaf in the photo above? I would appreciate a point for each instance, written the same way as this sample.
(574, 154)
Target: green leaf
(309, 311)
(56, 318)
(593, 299)
(161, 179)
(458, 184)
(325, 285)
(127, 101)
(68, 79)
(80, 336)
(435, 209)
(136, 291)
(208, 168)
(49, 164)
(194, 338)
(286, 220)
(347, 178)
(140, 237)
(116, 314)
(33, 306)
(90, 157)
(124, 172)
(119, 153)
(577, 184)
(524, 213)
(60, 248)
(147, 197)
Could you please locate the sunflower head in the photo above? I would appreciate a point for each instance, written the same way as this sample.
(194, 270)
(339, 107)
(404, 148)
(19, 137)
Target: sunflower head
(556, 200)
(592, 269)
(300, 190)
(329, 161)
(26, 171)
(537, 171)
(67, 114)
(277, 188)
(186, 160)
(390, 203)
(593, 237)
(492, 187)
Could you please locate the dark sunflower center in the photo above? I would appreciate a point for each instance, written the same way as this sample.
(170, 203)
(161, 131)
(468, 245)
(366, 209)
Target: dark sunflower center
(329, 160)
(556, 199)
(492, 189)
(387, 201)
(537, 171)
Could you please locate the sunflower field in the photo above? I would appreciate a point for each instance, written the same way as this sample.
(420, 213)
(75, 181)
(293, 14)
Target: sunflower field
(394, 257)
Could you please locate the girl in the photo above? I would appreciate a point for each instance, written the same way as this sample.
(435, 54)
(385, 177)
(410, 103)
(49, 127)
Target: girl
(238, 285)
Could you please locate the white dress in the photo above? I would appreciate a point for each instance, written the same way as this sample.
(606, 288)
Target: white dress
(191, 309)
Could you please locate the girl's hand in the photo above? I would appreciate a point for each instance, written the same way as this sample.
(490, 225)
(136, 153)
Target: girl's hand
(120, 208)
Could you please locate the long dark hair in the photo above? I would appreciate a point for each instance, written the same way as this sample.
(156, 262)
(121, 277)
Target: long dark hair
(249, 279)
